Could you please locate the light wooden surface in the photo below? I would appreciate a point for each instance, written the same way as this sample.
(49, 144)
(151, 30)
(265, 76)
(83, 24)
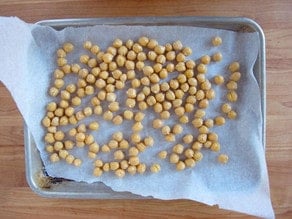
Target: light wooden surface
(275, 17)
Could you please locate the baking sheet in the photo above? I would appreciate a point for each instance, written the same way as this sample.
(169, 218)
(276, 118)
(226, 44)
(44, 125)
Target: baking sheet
(253, 177)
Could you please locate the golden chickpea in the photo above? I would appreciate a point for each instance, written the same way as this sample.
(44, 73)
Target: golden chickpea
(210, 94)
(197, 146)
(61, 62)
(165, 130)
(198, 156)
(110, 88)
(187, 139)
(207, 144)
(157, 123)
(166, 105)
(137, 48)
(177, 103)
(215, 146)
(114, 165)
(50, 115)
(179, 111)
(130, 65)
(97, 110)
(206, 85)
(61, 53)
(160, 59)
(91, 155)
(130, 103)
(94, 147)
(154, 78)
(133, 151)
(219, 120)
(162, 154)
(76, 101)
(100, 83)
(46, 122)
(120, 173)
(134, 160)
(170, 67)
(124, 144)
(105, 148)
(225, 108)
(232, 114)
(64, 120)
(155, 168)
(49, 138)
(235, 76)
(124, 164)
(184, 119)
(148, 70)
(180, 57)
(114, 106)
(142, 105)
(190, 162)
(89, 139)
(170, 137)
(202, 138)
(234, 66)
(128, 114)
(157, 107)
(203, 103)
(164, 115)
(159, 49)
(141, 168)
(53, 91)
(54, 157)
(163, 73)
(209, 123)
(231, 85)
(178, 148)
(106, 167)
(191, 99)
(217, 57)
(58, 145)
(98, 163)
(217, 41)
(132, 170)
(66, 68)
(203, 129)
(137, 126)
(170, 56)
(177, 45)
(232, 96)
(97, 171)
(180, 166)
(117, 120)
(152, 43)
(180, 67)
(108, 115)
(58, 74)
(68, 47)
(173, 158)
(223, 158)
(151, 100)
(177, 129)
(189, 107)
(140, 65)
(119, 155)
(212, 136)
(135, 138)
(170, 95)
(202, 68)
(141, 146)
(73, 120)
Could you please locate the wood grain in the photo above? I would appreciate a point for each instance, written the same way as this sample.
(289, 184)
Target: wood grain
(17, 200)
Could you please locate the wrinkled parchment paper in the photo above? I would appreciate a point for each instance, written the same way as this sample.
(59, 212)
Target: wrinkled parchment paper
(28, 60)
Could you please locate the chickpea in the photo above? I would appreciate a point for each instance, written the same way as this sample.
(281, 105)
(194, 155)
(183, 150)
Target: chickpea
(154, 78)
(135, 138)
(61, 62)
(232, 96)
(130, 103)
(131, 55)
(134, 160)
(169, 137)
(53, 91)
(114, 165)
(162, 154)
(46, 122)
(49, 138)
(200, 95)
(105, 148)
(97, 110)
(160, 59)
(124, 144)
(189, 107)
(114, 106)
(219, 120)
(140, 65)
(190, 162)
(133, 151)
(124, 164)
(232, 114)
(202, 68)
(117, 120)
(203, 103)
(106, 167)
(97, 171)
(152, 43)
(151, 100)
(210, 94)
(165, 130)
(217, 57)
(203, 129)
(54, 157)
(132, 170)
(177, 45)
(205, 59)
(180, 166)
(201, 77)
(157, 123)
(165, 115)
(91, 155)
(197, 146)
(157, 107)
(217, 41)
(94, 147)
(209, 123)
(177, 129)
(202, 138)
(207, 144)
(225, 108)
(119, 155)
(166, 105)
(61, 53)
(234, 66)
(178, 148)
(66, 68)
(223, 158)
(137, 127)
(170, 56)
(235, 76)
(89, 139)
(184, 119)
(155, 168)
(206, 85)
(160, 97)
(179, 111)
(108, 115)
(76, 101)
(170, 95)
(159, 49)
(58, 145)
(137, 48)
(180, 67)
(173, 158)
(141, 146)
(128, 114)
(141, 168)
(215, 146)
(198, 121)
(163, 73)
(73, 120)
(191, 99)
(198, 156)
(187, 139)
(170, 67)
(120, 173)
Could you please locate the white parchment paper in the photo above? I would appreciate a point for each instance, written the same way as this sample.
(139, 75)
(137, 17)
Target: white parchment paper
(28, 60)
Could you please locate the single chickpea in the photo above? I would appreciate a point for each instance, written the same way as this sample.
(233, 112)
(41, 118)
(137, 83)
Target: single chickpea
(94, 147)
(64, 120)
(165, 130)
(215, 146)
(216, 41)
(233, 67)
(173, 158)
(59, 135)
(130, 103)
(114, 106)
(209, 123)
(225, 108)
(157, 123)
(53, 91)
(206, 85)
(179, 111)
(134, 161)
(141, 168)
(180, 57)
(170, 95)
(200, 95)
(177, 129)
(205, 59)
(124, 164)
(180, 67)
(124, 144)
(97, 171)
(232, 96)
(198, 156)
(207, 144)
(203, 103)
(232, 114)
(191, 99)
(66, 68)
(187, 139)
(68, 47)
(135, 138)
(114, 165)
(189, 107)
(105, 148)
(197, 146)
(219, 120)
(117, 120)
(140, 65)
(166, 105)
(176, 103)
(76, 101)
(184, 119)
(50, 115)
(50, 148)
(155, 168)
(61, 62)
(231, 85)
(203, 129)
(137, 48)
(185, 88)
(223, 158)
(210, 94)
(150, 100)
(106, 167)
(97, 110)
(120, 173)
(160, 59)
(91, 155)
(159, 49)
(202, 68)
(235, 76)
(89, 139)
(164, 115)
(187, 51)
(87, 111)
(61, 53)
(133, 151)
(141, 146)
(160, 97)
(145, 81)
(212, 137)
(169, 137)
(46, 122)
(49, 138)
(190, 162)
(162, 154)
(202, 138)
(58, 145)
(157, 107)
(177, 45)
(170, 67)
(163, 73)
(141, 56)
(128, 114)
(180, 166)
(178, 148)
(108, 115)
(217, 57)
(189, 73)
(98, 163)
(54, 157)
(119, 155)
(170, 56)
(154, 78)
(73, 120)
(137, 126)
(152, 43)
(132, 170)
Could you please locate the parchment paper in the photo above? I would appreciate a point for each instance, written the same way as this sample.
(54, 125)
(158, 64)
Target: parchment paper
(28, 60)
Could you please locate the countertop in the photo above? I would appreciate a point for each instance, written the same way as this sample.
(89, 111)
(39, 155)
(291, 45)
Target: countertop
(17, 200)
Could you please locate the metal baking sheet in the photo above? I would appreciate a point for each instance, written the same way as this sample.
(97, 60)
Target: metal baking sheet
(62, 188)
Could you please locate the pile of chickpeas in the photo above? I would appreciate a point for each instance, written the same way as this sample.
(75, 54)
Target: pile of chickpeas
(155, 78)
